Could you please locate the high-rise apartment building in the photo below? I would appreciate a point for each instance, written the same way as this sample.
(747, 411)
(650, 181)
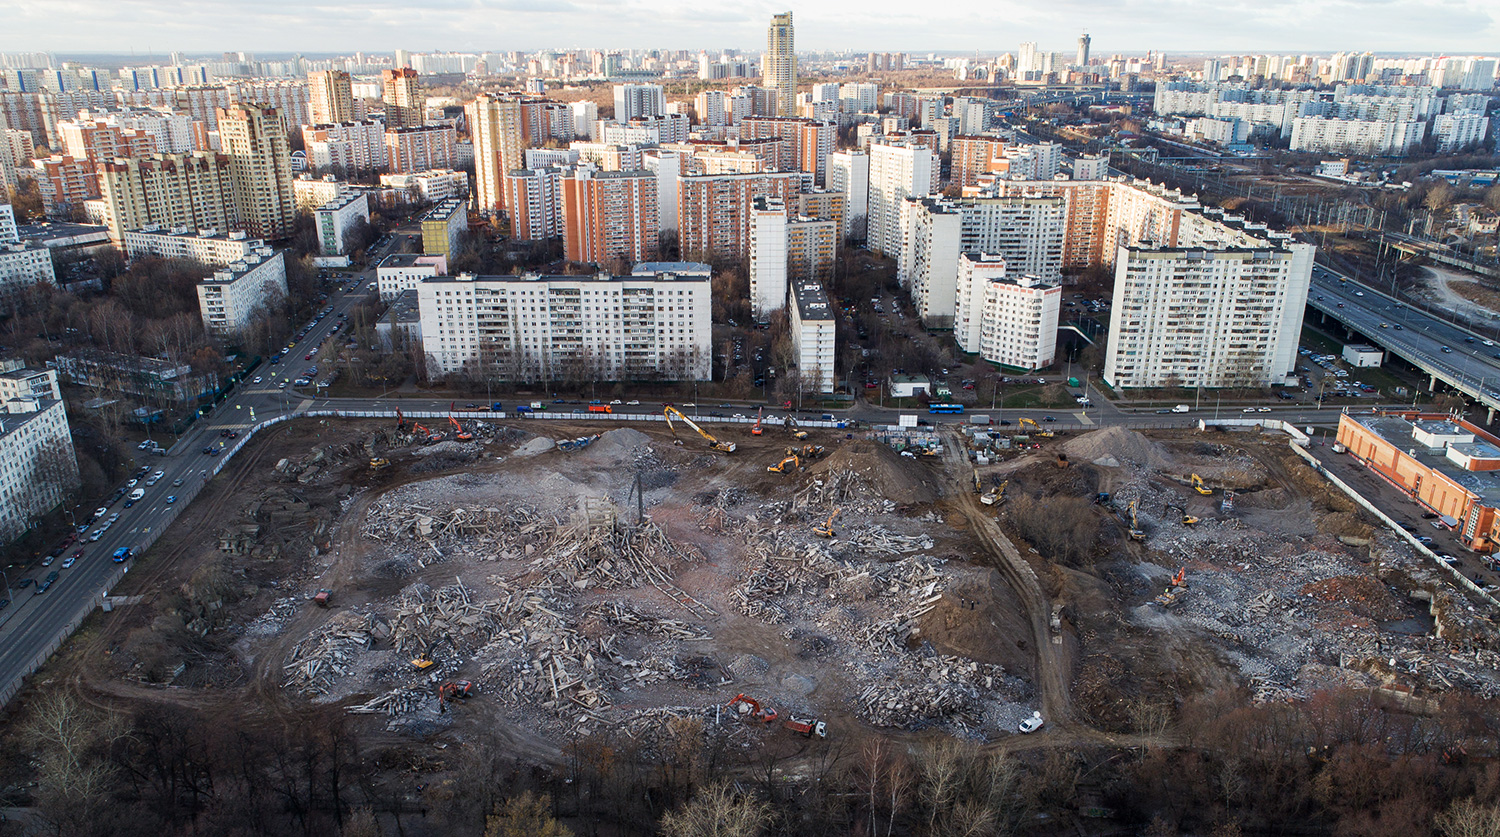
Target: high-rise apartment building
(653, 324)
(849, 172)
(786, 250)
(780, 64)
(495, 123)
(1007, 320)
(806, 144)
(813, 331)
(535, 200)
(713, 211)
(973, 156)
(330, 97)
(333, 221)
(169, 191)
(65, 183)
(37, 463)
(405, 104)
(1083, 50)
(230, 299)
(96, 140)
(639, 101)
(347, 146)
(897, 172)
(421, 148)
(442, 226)
(260, 169)
(610, 217)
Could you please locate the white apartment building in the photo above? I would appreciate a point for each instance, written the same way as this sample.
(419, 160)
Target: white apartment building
(37, 462)
(23, 264)
(432, 185)
(230, 297)
(1456, 130)
(712, 108)
(1091, 168)
(311, 193)
(336, 218)
(1008, 321)
(1356, 136)
(1032, 162)
(585, 120)
(1205, 316)
(401, 272)
(203, 246)
(897, 172)
(1026, 232)
(542, 158)
(544, 328)
(637, 101)
(849, 172)
(768, 257)
(350, 146)
(813, 329)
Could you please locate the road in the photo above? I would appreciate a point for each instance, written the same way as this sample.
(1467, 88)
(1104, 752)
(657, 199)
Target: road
(1470, 365)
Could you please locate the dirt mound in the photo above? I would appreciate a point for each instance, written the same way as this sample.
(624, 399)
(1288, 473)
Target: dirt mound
(1344, 523)
(977, 619)
(1361, 594)
(618, 445)
(1118, 444)
(882, 470)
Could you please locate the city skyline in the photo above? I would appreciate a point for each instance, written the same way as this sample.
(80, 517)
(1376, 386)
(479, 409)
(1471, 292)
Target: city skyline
(1415, 26)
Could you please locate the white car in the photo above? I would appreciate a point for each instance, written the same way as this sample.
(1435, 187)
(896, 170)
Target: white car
(1248, 410)
(257, 380)
(1262, 409)
(1032, 724)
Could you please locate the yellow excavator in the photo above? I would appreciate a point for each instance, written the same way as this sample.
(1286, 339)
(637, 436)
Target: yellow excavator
(1199, 487)
(1036, 428)
(1187, 519)
(791, 463)
(994, 495)
(826, 530)
(722, 447)
(1135, 527)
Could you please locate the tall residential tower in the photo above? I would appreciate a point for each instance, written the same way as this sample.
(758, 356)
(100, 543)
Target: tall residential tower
(780, 65)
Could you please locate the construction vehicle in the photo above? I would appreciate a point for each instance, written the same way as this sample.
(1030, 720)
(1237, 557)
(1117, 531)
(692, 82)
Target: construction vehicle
(377, 464)
(722, 447)
(1187, 519)
(826, 530)
(790, 463)
(809, 728)
(400, 420)
(322, 597)
(458, 431)
(1175, 592)
(422, 430)
(750, 709)
(1103, 499)
(756, 431)
(1036, 428)
(577, 444)
(453, 690)
(1199, 487)
(1135, 527)
(994, 495)
(1226, 505)
(1062, 460)
(806, 451)
(423, 661)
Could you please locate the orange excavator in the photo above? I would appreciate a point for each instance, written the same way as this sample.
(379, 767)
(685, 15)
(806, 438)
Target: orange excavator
(750, 709)
(788, 465)
(451, 691)
(420, 428)
(400, 420)
(755, 431)
(458, 431)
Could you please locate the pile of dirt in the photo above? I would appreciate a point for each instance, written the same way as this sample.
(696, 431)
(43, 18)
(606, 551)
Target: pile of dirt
(977, 619)
(1361, 594)
(618, 445)
(1115, 446)
(899, 480)
(1347, 524)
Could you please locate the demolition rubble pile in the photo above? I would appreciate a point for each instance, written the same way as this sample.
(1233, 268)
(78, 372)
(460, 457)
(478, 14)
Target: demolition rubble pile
(328, 653)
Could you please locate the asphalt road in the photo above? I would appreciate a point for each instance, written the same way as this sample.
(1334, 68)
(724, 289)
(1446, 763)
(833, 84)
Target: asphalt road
(1472, 365)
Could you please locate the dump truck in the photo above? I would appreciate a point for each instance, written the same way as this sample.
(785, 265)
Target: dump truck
(322, 597)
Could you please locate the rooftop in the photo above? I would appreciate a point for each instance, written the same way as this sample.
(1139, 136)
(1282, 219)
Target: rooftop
(342, 201)
(443, 210)
(10, 422)
(54, 233)
(400, 260)
(812, 302)
(678, 268)
(253, 261)
(1398, 431)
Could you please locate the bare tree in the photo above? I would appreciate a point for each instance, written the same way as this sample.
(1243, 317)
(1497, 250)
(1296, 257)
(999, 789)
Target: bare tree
(73, 778)
(1469, 819)
(718, 812)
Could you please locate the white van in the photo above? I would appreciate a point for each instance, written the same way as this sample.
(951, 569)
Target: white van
(1181, 408)
(138, 494)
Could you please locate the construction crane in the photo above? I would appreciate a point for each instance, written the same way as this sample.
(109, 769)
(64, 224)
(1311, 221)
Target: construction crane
(458, 431)
(790, 463)
(826, 530)
(1135, 527)
(1187, 519)
(722, 447)
(751, 710)
(1045, 434)
(756, 431)
(1199, 487)
(453, 690)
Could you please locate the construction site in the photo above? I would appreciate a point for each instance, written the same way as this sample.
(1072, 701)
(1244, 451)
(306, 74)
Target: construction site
(561, 579)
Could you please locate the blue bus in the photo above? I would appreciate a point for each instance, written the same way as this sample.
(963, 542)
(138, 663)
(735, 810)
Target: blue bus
(945, 408)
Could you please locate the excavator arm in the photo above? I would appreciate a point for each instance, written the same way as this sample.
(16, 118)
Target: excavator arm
(722, 447)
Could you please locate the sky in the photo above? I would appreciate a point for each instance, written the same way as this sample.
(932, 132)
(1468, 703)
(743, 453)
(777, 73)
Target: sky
(1419, 27)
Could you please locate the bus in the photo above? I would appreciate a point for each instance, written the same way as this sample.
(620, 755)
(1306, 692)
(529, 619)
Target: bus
(945, 408)
(601, 408)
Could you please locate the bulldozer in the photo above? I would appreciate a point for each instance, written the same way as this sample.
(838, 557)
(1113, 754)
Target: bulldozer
(1199, 487)
(423, 661)
(1187, 519)
(722, 447)
(751, 709)
(1175, 592)
(377, 464)
(791, 463)
(1135, 527)
(826, 530)
(453, 690)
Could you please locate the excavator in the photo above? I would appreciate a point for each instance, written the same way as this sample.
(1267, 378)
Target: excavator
(458, 431)
(791, 424)
(400, 420)
(750, 709)
(756, 431)
(806, 451)
(1187, 519)
(722, 447)
(791, 463)
(994, 495)
(826, 530)
(1199, 487)
(1135, 526)
(421, 429)
(377, 464)
(423, 661)
(1036, 428)
(453, 690)
(1173, 595)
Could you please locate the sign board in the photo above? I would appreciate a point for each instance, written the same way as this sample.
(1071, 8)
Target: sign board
(907, 421)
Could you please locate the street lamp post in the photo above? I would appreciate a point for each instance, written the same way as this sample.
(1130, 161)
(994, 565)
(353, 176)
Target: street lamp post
(8, 595)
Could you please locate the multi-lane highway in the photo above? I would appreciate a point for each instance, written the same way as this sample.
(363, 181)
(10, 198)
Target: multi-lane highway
(1468, 362)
